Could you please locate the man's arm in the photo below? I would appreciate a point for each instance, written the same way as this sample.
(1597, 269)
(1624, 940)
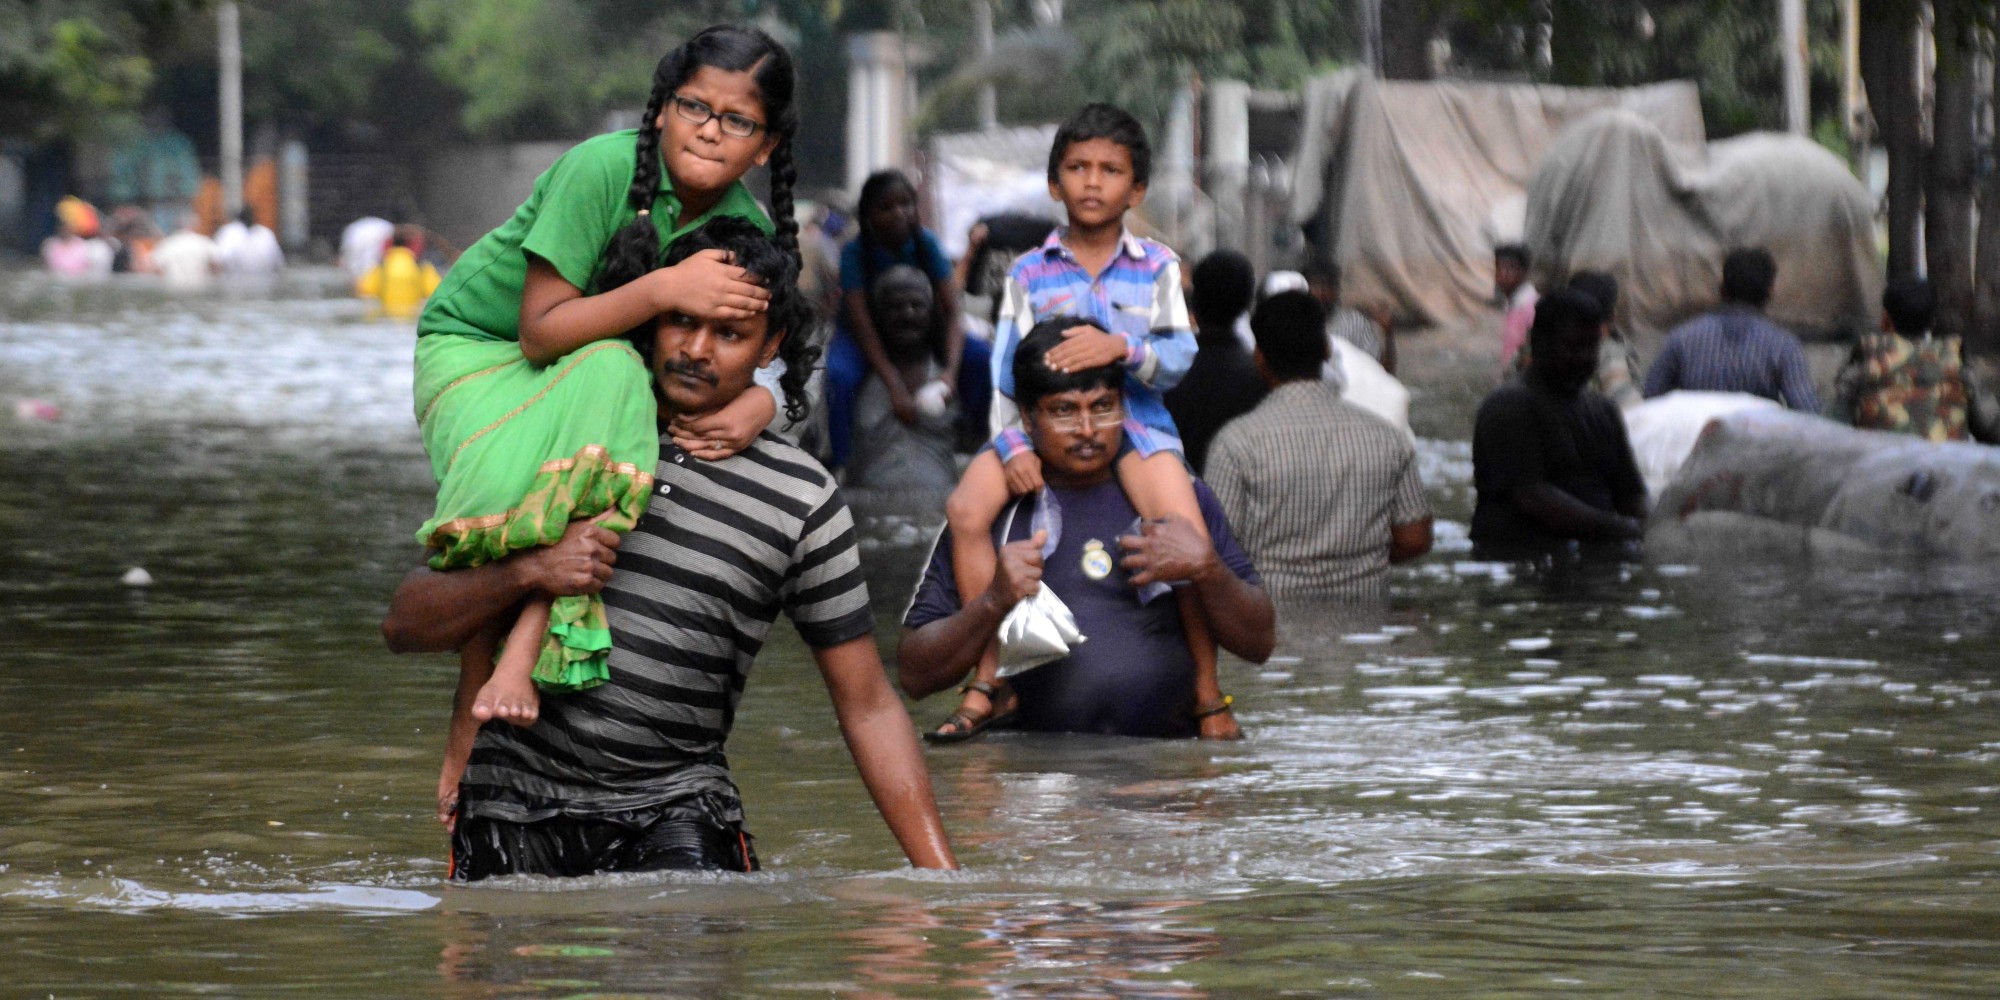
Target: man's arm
(1409, 512)
(1795, 379)
(1240, 614)
(1408, 541)
(1569, 517)
(437, 612)
(1664, 374)
(940, 653)
(1982, 413)
(1170, 347)
(878, 734)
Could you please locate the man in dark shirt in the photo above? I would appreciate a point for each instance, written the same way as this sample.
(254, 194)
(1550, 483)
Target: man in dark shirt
(1223, 383)
(1133, 675)
(1549, 457)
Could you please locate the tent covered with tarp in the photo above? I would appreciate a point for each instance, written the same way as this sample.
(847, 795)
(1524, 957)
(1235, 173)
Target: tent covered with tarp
(1617, 193)
(1410, 185)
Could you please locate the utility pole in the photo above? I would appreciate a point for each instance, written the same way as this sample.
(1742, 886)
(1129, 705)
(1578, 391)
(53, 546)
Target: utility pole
(1371, 36)
(1792, 32)
(230, 58)
(982, 43)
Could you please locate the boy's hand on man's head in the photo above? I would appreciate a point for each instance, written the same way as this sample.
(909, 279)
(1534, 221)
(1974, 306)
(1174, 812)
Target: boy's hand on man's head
(1024, 473)
(1085, 347)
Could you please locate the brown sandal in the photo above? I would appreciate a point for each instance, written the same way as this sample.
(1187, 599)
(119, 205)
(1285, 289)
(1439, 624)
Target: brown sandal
(965, 725)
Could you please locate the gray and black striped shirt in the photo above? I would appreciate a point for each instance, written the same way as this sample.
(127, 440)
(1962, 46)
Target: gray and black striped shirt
(1311, 484)
(723, 547)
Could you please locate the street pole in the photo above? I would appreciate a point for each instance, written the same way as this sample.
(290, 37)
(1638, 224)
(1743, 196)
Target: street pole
(982, 43)
(230, 58)
(1792, 31)
(1371, 36)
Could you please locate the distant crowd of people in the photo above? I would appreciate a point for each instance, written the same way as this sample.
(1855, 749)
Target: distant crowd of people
(85, 246)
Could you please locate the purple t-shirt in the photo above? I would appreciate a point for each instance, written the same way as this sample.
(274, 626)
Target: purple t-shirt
(1133, 675)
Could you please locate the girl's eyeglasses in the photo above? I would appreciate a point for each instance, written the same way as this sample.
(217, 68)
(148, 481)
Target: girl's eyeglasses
(696, 113)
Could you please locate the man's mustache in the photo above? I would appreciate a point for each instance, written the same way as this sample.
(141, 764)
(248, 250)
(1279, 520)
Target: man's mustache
(687, 369)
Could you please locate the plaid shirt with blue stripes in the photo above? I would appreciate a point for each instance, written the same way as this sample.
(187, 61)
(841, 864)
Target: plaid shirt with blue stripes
(1137, 297)
(1734, 350)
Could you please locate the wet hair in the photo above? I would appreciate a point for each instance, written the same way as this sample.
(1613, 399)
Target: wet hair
(1103, 121)
(635, 248)
(1747, 276)
(790, 315)
(1224, 283)
(1290, 328)
(1034, 379)
(1598, 285)
(1560, 315)
(1911, 305)
(1515, 252)
(878, 187)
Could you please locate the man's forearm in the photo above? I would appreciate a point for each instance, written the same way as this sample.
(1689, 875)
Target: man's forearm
(941, 653)
(1565, 515)
(1240, 616)
(436, 612)
(878, 734)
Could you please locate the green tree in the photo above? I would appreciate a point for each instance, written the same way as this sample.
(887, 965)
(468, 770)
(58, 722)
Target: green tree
(72, 68)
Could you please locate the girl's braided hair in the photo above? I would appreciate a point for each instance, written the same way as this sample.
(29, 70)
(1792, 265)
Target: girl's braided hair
(635, 249)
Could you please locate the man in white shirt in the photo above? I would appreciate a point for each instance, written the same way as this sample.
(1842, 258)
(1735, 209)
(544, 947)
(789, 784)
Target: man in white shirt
(186, 260)
(249, 248)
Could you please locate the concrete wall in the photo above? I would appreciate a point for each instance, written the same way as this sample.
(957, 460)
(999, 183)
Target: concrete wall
(465, 191)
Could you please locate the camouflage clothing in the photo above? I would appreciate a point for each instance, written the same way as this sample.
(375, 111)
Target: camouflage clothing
(1909, 387)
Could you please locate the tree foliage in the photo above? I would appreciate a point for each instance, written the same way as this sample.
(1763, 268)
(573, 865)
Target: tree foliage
(77, 67)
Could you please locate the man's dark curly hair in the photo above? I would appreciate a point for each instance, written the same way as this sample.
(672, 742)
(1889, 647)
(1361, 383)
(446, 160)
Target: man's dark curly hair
(790, 315)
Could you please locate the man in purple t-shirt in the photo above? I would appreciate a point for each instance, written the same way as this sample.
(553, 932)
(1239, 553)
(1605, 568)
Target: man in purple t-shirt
(1133, 675)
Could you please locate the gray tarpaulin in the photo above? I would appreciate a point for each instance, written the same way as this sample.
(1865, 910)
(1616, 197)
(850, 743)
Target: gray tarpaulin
(1408, 177)
(1616, 193)
(1776, 480)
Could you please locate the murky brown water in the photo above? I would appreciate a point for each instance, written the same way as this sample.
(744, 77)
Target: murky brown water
(1650, 780)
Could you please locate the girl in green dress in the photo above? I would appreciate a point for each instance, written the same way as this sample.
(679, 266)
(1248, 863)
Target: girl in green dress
(534, 409)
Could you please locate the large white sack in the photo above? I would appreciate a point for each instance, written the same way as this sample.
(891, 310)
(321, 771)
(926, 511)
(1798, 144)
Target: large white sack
(1664, 429)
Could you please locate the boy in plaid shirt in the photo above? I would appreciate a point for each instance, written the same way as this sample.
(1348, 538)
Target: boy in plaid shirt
(1127, 292)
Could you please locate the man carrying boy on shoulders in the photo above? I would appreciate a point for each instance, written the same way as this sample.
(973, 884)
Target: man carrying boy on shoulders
(1134, 674)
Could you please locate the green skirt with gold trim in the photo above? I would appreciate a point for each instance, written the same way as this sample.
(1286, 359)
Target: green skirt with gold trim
(519, 451)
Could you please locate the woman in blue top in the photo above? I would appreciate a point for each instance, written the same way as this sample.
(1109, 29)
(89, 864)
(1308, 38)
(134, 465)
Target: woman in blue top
(890, 234)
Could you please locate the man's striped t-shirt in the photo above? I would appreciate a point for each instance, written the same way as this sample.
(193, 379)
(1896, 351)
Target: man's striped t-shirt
(722, 548)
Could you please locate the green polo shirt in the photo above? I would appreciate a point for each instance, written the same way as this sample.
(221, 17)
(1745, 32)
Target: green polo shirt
(576, 205)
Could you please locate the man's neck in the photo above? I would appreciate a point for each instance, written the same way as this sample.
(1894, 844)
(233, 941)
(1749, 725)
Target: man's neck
(1060, 481)
(1537, 381)
(1215, 331)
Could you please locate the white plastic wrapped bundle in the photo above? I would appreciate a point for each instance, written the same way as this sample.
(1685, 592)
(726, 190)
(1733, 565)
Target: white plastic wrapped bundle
(1041, 628)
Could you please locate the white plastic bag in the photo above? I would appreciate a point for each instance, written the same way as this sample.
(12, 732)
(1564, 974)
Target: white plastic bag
(1041, 628)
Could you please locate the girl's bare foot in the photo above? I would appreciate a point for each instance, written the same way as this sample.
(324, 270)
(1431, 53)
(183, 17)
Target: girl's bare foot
(509, 699)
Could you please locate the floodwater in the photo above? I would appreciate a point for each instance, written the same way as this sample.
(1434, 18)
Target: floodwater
(1702, 781)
